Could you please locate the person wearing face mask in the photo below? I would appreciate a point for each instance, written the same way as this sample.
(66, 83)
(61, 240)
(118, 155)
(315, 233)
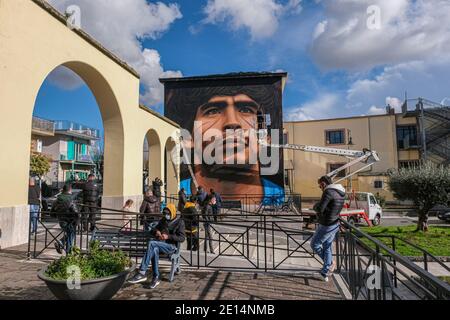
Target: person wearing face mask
(169, 231)
(328, 210)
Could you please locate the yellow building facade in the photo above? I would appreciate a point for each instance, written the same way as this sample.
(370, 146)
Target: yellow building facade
(378, 132)
(34, 40)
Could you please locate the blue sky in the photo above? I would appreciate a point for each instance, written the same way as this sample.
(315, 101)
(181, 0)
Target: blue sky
(337, 65)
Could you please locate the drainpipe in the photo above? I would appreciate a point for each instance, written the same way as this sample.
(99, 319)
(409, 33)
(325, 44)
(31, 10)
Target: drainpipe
(422, 128)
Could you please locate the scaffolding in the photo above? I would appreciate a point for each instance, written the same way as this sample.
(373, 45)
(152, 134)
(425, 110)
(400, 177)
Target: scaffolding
(433, 129)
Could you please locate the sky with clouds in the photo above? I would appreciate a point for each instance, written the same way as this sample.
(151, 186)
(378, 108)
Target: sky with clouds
(344, 57)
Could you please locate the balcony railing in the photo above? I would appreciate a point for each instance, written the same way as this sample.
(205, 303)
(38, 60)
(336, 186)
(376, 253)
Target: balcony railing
(63, 125)
(79, 158)
(43, 125)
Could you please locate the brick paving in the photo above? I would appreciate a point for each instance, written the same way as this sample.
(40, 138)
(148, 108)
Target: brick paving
(18, 281)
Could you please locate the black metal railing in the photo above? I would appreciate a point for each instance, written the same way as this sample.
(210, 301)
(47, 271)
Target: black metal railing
(282, 203)
(243, 240)
(371, 270)
(262, 242)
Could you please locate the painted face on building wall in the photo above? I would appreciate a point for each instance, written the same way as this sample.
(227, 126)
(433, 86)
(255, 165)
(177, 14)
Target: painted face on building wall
(208, 111)
(234, 118)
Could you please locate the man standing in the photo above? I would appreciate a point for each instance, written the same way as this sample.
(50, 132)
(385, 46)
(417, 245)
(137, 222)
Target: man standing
(169, 232)
(149, 207)
(156, 187)
(217, 204)
(201, 196)
(90, 200)
(207, 219)
(190, 216)
(182, 199)
(67, 214)
(328, 211)
(34, 203)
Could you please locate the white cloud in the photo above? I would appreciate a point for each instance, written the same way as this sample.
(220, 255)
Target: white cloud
(418, 78)
(120, 25)
(325, 106)
(65, 78)
(373, 110)
(259, 17)
(409, 30)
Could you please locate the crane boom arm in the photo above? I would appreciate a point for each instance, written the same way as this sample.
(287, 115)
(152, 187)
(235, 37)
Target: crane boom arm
(368, 157)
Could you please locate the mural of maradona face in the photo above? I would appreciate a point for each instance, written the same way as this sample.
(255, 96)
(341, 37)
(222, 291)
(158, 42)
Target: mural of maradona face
(237, 113)
(224, 109)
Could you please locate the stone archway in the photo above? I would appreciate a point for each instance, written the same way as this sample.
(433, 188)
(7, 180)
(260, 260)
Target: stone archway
(154, 155)
(35, 40)
(34, 44)
(171, 174)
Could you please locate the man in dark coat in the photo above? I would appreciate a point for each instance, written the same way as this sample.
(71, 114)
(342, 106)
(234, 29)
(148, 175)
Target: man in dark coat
(328, 212)
(207, 215)
(156, 188)
(66, 211)
(201, 196)
(182, 199)
(217, 204)
(169, 233)
(150, 208)
(34, 203)
(90, 201)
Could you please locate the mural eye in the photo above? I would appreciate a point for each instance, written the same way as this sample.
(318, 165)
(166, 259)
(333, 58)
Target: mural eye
(212, 111)
(246, 109)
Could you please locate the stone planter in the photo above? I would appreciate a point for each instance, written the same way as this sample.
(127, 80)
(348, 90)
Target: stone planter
(97, 289)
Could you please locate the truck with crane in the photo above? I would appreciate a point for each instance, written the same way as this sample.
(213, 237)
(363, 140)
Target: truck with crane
(359, 205)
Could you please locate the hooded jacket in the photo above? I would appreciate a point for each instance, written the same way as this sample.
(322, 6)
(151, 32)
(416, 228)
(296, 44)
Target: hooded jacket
(190, 217)
(65, 209)
(174, 228)
(330, 205)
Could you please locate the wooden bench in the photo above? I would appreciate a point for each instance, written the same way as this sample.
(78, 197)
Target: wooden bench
(135, 243)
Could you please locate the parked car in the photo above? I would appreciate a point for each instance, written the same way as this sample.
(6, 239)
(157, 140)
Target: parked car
(48, 201)
(442, 211)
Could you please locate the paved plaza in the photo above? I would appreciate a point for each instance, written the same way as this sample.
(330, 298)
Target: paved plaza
(19, 281)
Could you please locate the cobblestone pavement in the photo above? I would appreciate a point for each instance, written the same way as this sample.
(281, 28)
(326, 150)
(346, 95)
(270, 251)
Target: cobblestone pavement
(18, 280)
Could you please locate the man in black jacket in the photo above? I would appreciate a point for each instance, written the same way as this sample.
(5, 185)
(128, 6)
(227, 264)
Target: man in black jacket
(34, 203)
(182, 199)
(328, 211)
(156, 187)
(169, 233)
(66, 211)
(90, 200)
(150, 207)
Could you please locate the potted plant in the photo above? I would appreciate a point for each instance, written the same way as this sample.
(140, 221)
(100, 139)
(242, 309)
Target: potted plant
(96, 275)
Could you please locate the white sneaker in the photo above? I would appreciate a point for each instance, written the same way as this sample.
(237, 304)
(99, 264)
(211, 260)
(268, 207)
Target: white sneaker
(324, 277)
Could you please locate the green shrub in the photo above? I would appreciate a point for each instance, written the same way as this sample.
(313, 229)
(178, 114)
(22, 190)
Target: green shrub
(98, 263)
(426, 185)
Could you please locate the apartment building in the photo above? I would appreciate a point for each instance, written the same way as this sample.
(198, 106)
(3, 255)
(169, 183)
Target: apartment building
(71, 146)
(393, 136)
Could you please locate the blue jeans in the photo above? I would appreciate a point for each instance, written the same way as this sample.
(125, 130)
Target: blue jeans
(34, 217)
(154, 248)
(215, 211)
(322, 242)
(68, 240)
